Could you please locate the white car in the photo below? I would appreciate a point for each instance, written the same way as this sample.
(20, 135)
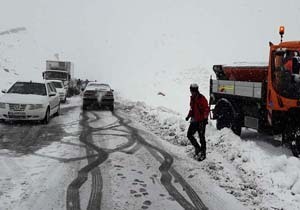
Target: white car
(30, 100)
(60, 88)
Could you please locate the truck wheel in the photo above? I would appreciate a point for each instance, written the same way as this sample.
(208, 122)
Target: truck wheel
(226, 119)
(295, 147)
(292, 135)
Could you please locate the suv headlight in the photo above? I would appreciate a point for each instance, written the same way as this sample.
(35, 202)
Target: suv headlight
(2, 105)
(35, 106)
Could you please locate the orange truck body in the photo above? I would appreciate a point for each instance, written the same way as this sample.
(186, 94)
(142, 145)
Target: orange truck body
(262, 97)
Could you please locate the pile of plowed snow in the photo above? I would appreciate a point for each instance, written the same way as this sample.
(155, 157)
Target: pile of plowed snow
(256, 173)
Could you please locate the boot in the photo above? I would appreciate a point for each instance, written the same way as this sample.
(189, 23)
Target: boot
(202, 156)
(197, 151)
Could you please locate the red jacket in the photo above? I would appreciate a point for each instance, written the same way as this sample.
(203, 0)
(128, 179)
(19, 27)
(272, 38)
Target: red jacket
(199, 109)
(289, 65)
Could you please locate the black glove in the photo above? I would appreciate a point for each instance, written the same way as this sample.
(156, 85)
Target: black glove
(187, 118)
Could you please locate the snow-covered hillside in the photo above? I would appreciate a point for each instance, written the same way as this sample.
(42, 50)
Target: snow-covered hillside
(19, 56)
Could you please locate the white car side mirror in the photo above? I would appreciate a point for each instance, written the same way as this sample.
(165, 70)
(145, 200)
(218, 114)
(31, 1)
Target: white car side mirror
(4, 91)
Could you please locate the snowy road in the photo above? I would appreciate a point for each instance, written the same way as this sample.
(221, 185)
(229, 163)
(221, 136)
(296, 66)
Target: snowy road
(96, 159)
(107, 134)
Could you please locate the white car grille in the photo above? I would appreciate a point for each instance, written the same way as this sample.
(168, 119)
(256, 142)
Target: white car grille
(17, 107)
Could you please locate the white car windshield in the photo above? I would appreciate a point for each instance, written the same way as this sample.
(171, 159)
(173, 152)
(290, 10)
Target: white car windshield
(28, 88)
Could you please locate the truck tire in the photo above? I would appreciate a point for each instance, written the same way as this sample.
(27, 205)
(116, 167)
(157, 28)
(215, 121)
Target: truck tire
(226, 117)
(291, 135)
(295, 147)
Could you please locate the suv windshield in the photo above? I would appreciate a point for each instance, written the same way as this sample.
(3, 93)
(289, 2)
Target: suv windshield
(102, 87)
(28, 88)
(57, 84)
(285, 72)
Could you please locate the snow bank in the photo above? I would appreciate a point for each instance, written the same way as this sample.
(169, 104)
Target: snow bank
(256, 177)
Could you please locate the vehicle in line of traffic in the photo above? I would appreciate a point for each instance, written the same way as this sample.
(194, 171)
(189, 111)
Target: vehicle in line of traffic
(64, 71)
(30, 100)
(99, 94)
(61, 89)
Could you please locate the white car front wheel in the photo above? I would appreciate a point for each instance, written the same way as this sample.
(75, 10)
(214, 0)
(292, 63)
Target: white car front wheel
(58, 111)
(47, 117)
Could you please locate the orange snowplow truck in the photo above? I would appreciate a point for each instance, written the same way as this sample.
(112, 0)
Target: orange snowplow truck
(261, 97)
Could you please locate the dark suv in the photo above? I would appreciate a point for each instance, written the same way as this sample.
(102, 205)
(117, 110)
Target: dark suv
(98, 94)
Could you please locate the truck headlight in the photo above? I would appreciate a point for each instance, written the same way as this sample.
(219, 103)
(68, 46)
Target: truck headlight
(35, 106)
(2, 105)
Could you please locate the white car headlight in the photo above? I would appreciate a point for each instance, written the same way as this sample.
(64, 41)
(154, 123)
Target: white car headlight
(35, 106)
(2, 105)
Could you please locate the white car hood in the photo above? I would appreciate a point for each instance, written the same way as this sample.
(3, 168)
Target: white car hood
(23, 99)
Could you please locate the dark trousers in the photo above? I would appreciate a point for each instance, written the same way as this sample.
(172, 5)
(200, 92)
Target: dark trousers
(193, 128)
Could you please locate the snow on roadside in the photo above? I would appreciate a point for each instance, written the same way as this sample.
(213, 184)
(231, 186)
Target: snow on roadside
(257, 178)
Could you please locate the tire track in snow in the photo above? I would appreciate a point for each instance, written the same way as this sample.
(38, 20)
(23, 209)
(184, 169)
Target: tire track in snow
(86, 136)
(166, 171)
(73, 197)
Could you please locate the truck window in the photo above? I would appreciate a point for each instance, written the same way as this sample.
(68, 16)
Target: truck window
(56, 75)
(284, 80)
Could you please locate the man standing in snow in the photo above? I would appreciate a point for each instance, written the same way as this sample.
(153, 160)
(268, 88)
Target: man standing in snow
(198, 114)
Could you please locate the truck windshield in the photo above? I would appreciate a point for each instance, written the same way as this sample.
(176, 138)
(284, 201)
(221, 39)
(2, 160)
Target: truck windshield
(57, 84)
(285, 73)
(55, 75)
(28, 88)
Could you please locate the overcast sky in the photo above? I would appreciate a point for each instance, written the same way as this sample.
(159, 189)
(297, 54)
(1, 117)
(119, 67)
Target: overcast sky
(116, 38)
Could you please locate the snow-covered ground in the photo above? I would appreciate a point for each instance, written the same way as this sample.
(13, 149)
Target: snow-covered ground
(163, 47)
(39, 180)
(257, 173)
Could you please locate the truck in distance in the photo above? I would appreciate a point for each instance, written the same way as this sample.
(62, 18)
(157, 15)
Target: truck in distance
(60, 70)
